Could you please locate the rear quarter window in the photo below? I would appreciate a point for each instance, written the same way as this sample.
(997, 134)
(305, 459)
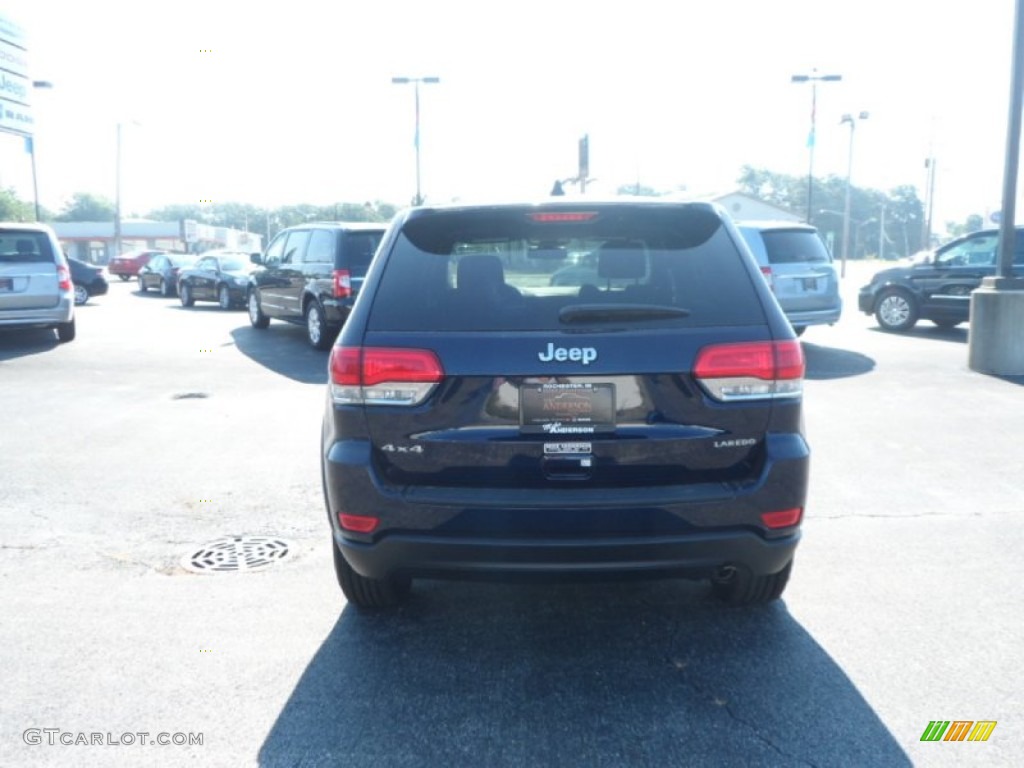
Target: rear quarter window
(497, 270)
(358, 250)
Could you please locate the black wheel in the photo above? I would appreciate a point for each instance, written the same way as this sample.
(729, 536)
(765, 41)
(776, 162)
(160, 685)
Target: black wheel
(316, 326)
(946, 325)
(185, 295)
(165, 288)
(256, 316)
(142, 285)
(224, 297)
(896, 310)
(81, 294)
(743, 588)
(125, 278)
(364, 593)
(66, 331)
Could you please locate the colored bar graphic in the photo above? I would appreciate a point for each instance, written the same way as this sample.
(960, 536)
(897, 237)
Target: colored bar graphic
(958, 730)
(935, 730)
(982, 730)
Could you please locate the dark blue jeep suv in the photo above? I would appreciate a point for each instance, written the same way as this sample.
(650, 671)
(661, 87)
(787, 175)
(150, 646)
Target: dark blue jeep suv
(481, 421)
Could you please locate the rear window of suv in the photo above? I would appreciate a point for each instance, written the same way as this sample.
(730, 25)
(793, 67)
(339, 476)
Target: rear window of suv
(25, 247)
(501, 269)
(794, 246)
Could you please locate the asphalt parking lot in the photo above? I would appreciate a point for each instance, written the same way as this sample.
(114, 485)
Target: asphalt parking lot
(160, 430)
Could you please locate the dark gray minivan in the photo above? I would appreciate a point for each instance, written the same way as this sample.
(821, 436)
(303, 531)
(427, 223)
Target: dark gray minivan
(310, 275)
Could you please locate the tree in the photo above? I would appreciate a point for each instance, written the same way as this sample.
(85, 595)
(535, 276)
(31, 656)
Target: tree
(85, 206)
(14, 209)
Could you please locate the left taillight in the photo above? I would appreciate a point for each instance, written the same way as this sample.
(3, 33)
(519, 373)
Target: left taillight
(342, 284)
(383, 375)
(64, 278)
(753, 370)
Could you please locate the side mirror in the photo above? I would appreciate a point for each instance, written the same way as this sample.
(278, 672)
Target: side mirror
(256, 258)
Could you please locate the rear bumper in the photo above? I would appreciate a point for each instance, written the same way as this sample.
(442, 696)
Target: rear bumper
(49, 317)
(698, 554)
(489, 531)
(801, 318)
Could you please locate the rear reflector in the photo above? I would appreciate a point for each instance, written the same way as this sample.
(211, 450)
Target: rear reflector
(784, 518)
(383, 375)
(358, 523)
(751, 370)
(562, 216)
(342, 284)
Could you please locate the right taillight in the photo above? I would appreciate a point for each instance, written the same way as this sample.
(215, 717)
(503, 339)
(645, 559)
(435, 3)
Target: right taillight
(768, 276)
(383, 375)
(753, 370)
(342, 284)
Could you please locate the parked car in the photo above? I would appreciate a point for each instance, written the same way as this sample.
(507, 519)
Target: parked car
(221, 276)
(88, 279)
(482, 422)
(799, 269)
(36, 290)
(311, 274)
(127, 265)
(161, 272)
(936, 285)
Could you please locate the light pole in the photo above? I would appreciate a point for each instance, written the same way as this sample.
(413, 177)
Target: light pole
(117, 192)
(418, 200)
(849, 172)
(814, 78)
(30, 142)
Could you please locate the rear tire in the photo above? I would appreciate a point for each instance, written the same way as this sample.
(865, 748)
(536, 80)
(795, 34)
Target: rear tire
(746, 589)
(165, 288)
(896, 310)
(125, 278)
(81, 294)
(185, 295)
(256, 317)
(364, 593)
(224, 297)
(316, 327)
(799, 329)
(66, 331)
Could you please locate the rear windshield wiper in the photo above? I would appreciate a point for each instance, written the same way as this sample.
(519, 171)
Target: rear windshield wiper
(586, 313)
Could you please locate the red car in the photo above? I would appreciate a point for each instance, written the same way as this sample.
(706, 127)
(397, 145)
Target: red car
(127, 265)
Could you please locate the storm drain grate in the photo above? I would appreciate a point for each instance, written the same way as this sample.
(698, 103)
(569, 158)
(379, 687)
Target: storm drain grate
(237, 553)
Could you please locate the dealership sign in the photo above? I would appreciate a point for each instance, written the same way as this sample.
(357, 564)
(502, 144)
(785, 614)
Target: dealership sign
(15, 86)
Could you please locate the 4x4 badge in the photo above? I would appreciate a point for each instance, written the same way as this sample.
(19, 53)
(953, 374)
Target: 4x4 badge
(390, 448)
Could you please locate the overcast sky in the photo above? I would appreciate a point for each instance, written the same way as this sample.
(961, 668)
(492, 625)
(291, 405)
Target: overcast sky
(294, 101)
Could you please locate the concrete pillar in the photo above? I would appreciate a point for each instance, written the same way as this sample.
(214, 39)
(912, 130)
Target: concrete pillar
(995, 343)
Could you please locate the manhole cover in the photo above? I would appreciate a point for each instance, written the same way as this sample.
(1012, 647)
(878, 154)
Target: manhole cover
(237, 553)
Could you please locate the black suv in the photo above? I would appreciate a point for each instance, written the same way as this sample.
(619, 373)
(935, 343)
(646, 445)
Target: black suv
(481, 421)
(937, 286)
(311, 274)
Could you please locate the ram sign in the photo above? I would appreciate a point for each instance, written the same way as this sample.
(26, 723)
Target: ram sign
(15, 85)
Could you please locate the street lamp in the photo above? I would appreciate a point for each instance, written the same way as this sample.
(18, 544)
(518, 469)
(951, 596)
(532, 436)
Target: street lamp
(418, 200)
(30, 142)
(814, 78)
(117, 192)
(848, 118)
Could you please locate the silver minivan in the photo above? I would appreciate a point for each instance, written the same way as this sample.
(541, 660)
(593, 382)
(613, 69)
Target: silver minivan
(799, 269)
(36, 290)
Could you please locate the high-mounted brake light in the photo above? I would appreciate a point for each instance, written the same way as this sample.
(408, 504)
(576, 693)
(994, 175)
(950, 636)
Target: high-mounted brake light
(562, 216)
(753, 370)
(383, 375)
(342, 284)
